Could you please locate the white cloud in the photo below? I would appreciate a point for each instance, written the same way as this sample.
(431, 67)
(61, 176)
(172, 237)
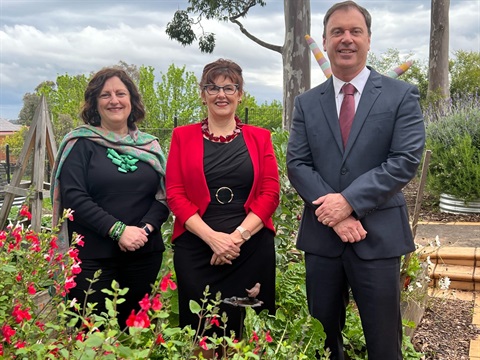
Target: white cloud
(40, 39)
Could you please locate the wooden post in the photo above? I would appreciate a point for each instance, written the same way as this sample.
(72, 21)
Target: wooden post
(40, 139)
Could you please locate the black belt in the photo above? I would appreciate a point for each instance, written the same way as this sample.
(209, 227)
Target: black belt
(225, 195)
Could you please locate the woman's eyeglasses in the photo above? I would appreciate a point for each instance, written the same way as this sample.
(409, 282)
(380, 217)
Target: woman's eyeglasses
(228, 89)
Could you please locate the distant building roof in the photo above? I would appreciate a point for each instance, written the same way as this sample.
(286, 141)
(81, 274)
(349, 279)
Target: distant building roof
(7, 127)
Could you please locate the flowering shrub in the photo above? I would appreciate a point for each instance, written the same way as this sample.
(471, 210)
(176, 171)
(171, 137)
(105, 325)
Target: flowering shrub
(30, 265)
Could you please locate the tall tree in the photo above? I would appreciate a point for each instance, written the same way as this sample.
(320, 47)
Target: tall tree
(295, 52)
(416, 74)
(438, 86)
(178, 97)
(465, 74)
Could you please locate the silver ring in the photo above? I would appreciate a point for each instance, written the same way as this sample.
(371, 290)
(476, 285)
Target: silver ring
(221, 189)
(227, 257)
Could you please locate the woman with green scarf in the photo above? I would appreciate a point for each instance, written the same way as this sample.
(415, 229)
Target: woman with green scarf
(112, 176)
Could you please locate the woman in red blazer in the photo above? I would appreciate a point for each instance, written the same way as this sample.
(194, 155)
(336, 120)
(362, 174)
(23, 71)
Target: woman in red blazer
(222, 186)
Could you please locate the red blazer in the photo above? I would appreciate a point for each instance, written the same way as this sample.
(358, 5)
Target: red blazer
(186, 186)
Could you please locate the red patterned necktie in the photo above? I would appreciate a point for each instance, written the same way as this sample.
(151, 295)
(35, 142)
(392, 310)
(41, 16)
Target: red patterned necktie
(347, 111)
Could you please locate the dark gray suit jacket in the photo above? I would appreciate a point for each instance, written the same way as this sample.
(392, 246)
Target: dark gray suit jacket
(382, 155)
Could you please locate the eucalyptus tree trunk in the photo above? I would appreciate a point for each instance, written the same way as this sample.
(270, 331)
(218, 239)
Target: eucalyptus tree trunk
(295, 55)
(295, 50)
(438, 83)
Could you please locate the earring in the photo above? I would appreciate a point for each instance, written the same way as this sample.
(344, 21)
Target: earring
(204, 102)
(239, 101)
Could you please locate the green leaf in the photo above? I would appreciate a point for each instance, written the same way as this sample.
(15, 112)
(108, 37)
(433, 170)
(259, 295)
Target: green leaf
(195, 307)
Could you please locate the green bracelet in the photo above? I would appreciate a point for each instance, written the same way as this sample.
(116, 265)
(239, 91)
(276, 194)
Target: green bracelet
(117, 230)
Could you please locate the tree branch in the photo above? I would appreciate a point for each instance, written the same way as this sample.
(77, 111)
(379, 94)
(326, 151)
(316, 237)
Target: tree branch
(234, 20)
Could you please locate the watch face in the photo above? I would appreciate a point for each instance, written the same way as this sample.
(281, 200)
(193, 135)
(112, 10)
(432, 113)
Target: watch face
(246, 235)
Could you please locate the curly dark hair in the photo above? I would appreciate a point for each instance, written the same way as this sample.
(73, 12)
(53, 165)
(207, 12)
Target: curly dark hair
(222, 67)
(89, 111)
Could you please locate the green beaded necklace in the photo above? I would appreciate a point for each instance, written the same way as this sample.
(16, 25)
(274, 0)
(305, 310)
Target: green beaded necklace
(124, 162)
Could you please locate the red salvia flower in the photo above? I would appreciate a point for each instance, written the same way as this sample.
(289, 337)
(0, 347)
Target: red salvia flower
(80, 336)
(145, 303)
(25, 213)
(79, 240)
(31, 289)
(53, 243)
(70, 283)
(156, 303)
(254, 337)
(268, 337)
(138, 320)
(7, 333)
(69, 214)
(20, 314)
(167, 282)
(73, 253)
(20, 344)
(76, 269)
(214, 321)
(40, 325)
(159, 340)
(203, 343)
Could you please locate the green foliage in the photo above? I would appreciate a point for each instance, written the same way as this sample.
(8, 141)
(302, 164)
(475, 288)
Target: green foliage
(295, 336)
(178, 96)
(288, 214)
(465, 74)
(356, 346)
(353, 338)
(30, 103)
(464, 71)
(15, 141)
(64, 99)
(454, 139)
(268, 116)
(417, 74)
(146, 87)
(180, 28)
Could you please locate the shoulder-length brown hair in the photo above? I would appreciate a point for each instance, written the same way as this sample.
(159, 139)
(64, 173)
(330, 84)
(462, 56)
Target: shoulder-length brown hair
(222, 67)
(89, 111)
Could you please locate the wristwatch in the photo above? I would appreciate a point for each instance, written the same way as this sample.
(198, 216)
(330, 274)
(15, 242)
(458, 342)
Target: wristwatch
(147, 230)
(246, 235)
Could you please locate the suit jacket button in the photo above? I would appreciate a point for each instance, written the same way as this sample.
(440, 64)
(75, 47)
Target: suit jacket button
(344, 171)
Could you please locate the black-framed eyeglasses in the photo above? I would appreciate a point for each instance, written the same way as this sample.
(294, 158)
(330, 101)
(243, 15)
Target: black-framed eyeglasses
(228, 89)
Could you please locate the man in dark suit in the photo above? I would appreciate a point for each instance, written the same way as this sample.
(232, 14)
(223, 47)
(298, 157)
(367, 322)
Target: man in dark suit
(355, 224)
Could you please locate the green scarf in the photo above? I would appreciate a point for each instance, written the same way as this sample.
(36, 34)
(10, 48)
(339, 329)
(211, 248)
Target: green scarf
(140, 145)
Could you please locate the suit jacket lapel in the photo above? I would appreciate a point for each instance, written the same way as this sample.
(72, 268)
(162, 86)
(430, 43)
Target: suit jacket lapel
(327, 100)
(371, 91)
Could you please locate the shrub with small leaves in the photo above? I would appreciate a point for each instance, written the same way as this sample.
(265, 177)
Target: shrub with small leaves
(454, 139)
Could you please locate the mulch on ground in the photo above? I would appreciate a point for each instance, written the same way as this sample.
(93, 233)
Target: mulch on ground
(446, 328)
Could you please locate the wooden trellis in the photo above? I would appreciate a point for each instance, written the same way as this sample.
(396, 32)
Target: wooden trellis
(41, 141)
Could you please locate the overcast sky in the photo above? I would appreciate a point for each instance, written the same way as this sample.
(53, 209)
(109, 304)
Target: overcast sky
(40, 39)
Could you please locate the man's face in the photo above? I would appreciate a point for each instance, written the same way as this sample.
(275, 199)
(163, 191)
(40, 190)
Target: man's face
(347, 43)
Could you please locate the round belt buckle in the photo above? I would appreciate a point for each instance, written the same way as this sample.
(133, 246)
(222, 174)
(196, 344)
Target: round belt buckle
(224, 195)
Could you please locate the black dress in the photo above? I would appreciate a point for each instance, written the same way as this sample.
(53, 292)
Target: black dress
(225, 164)
(100, 195)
